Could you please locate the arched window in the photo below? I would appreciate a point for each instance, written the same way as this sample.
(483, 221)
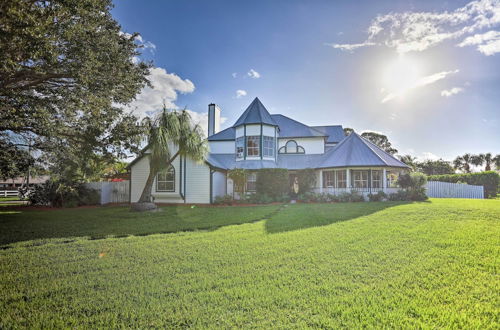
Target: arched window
(165, 180)
(291, 147)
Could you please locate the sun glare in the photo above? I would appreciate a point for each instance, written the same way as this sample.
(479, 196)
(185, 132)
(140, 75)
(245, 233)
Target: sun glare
(400, 76)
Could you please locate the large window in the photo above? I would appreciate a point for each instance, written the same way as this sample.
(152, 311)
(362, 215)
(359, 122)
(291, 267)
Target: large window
(334, 179)
(328, 179)
(268, 146)
(240, 147)
(252, 182)
(165, 180)
(376, 179)
(360, 179)
(253, 146)
(341, 179)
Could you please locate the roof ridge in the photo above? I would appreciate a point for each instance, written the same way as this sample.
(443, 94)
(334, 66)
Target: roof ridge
(279, 114)
(376, 146)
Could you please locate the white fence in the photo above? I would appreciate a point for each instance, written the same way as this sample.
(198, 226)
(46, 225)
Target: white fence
(453, 190)
(111, 192)
(9, 193)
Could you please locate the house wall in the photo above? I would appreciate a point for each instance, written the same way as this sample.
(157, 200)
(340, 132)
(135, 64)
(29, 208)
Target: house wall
(219, 184)
(222, 147)
(197, 187)
(314, 145)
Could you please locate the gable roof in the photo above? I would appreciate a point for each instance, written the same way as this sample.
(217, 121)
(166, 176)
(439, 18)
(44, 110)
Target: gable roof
(354, 150)
(256, 113)
(292, 128)
(335, 133)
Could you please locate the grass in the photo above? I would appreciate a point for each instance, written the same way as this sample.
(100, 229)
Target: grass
(397, 265)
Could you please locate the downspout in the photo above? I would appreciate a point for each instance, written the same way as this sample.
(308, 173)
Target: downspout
(181, 181)
(211, 186)
(244, 142)
(185, 192)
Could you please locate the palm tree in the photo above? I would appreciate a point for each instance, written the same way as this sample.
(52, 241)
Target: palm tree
(496, 160)
(171, 132)
(477, 160)
(488, 160)
(409, 160)
(463, 163)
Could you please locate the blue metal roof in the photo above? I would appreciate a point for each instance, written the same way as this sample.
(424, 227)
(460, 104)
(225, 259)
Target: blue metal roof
(352, 151)
(292, 128)
(256, 113)
(335, 133)
(227, 134)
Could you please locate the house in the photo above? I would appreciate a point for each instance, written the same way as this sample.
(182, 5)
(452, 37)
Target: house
(18, 182)
(259, 140)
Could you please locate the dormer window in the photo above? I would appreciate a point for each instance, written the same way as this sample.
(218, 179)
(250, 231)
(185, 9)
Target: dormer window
(291, 147)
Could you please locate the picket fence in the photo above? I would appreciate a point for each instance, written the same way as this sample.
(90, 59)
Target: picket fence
(439, 189)
(111, 192)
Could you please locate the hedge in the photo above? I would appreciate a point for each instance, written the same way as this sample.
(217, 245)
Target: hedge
(272, 182)
(489, 180)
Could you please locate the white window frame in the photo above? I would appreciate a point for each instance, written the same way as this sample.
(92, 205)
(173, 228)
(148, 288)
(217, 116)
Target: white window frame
(252, 179)
(268, 146)
(256, 139)
(379, 180)
(170, 170)
(338, 180)
(360, 181)
(240, 147)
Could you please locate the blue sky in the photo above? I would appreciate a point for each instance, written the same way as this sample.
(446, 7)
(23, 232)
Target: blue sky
(425, 73)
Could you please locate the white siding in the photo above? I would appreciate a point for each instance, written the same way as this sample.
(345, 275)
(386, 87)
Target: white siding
(314, 145)
(268, 130)
(253, 129)
(197, 182)
(221, 147)
(219, 184)
(240, 131)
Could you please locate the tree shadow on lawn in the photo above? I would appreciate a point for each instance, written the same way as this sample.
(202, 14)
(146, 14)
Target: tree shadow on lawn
(301, 216)
(26, 224)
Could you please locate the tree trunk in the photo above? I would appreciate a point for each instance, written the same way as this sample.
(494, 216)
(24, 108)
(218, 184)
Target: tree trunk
(146, 192)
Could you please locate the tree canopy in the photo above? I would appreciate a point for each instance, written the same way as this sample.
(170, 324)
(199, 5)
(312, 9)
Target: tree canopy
(66, 70)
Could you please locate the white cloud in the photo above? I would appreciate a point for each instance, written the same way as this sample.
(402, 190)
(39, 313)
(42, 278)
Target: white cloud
(418, 31)
(164, 89)
(350, 47)
(487, 43)
(253, 74)
(428, 156)
(140, 41)
(421, 82)
(234, 74)
(452, 91)
(240, 93)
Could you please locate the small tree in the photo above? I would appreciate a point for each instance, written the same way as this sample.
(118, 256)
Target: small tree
(463, 163)
(171, 129)
(435, 167)
(272, 182)
(239, 177)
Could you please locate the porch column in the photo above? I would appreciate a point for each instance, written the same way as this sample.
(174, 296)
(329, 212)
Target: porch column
(348, 178)
(321, 181)
(384, 180)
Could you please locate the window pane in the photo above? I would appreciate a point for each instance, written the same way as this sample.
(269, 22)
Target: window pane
(240, 147)
(328, 179)
(253, 145)
(341, 179)
(165, 181)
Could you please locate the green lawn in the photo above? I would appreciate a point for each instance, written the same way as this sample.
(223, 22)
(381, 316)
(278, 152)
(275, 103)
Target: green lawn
(397, 265)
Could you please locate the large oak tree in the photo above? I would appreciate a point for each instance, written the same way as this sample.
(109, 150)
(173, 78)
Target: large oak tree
(66, 70)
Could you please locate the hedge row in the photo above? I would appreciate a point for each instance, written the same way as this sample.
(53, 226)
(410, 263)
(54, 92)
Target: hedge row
(489, 180)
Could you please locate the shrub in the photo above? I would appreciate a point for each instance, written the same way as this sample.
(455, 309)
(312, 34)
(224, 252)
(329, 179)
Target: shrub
(307, 180)
(63, 194)
(225, 200)
(401, 195)
(489, 180)
(413, 184)
(353, 196)
(379, 196)
(272, 182)
(408, 195)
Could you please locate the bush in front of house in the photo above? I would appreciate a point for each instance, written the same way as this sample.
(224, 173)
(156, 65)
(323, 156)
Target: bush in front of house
(63, 194)
(379, 196)
(413, 187)
(272, 182)
(307, 180)
(224, 200)
(490, 180)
